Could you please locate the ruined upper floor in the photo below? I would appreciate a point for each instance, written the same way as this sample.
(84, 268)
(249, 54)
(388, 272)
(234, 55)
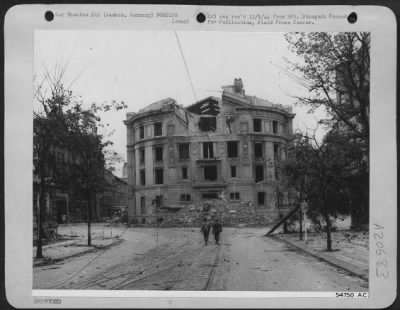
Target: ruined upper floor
(233, 113)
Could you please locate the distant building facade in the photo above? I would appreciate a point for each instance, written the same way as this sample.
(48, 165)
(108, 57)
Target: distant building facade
(114, 197)
(225, 148)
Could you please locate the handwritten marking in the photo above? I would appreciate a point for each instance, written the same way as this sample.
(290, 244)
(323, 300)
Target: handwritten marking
(382, 265)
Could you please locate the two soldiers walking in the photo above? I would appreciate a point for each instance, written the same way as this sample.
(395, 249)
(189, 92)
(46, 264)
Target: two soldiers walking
(216, 230)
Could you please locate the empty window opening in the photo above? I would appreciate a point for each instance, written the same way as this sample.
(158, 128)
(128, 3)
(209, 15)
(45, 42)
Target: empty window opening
(159, 153)
(157, 129)
(276, 151)
(280, 199)
(141, 132)
(208, 150)
(185, 197)
(142, 205)
(184, 173)
(159, 176)
(261, 198)
(141, 156)
(259, 173)
(211, 195)
(183, 151)
(232, 149)
(210, 173)
(208, 123)
(277, 174)
(158, 201)
(275, 127)
(234, 196)
(143, 221)
(257, 125)
(142, 177)
(233, 171)
(258, 150)
(230, 123)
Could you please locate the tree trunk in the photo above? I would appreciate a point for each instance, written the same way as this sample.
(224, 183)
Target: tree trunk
(89, 214)
(328, 226)
(301, 221)
(40, 220)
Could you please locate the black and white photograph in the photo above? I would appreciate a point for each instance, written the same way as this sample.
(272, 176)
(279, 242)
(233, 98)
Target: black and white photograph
(173, 156)
(201, 161)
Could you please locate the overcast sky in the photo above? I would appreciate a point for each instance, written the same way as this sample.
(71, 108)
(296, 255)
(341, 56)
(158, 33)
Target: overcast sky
(141, 67)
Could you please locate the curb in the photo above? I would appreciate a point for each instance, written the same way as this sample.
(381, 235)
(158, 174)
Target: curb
(331, 260)
(49, 261)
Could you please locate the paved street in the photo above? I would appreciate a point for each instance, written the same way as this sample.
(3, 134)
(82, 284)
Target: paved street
(177, 259)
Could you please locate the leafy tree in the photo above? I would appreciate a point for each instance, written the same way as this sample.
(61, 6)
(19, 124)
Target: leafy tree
(319, 172)
(335, 69)
(90, 152)
(49, 126)
(61, 122)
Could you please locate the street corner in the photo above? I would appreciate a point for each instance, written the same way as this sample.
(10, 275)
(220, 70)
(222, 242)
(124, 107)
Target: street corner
(58, 252)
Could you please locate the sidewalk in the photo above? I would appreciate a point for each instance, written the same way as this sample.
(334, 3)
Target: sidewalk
(350, 249)
(75, 244)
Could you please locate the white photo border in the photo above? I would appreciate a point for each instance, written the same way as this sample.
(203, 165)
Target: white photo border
(20, 24)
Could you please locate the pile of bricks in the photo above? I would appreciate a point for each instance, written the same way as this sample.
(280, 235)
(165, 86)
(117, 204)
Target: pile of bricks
(229, 214)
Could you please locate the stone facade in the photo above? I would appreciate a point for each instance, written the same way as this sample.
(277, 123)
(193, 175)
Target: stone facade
(217, 151)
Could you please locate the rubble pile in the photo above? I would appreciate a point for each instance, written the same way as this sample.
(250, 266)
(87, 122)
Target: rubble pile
(230, 214)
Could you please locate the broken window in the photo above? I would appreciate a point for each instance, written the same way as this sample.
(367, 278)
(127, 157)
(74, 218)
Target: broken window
(184, 173)
(185, 197)
(258, 150)
(261, 198)
(276, 151)
(234, 196)
(157, 129)
(159, 176)
(142, 177)
(209, 196)
(141, 132)
(259, 173)
(208, 123)
(183, 151)
(233, 171)
(257, 125)
(229, 123)
(158, 153)
(158, 201)
(280, 199)
(232, 149)
(142, 205)
(141, 156)
(275, 127)
(210, 173)
(277, 174)
(208, 150)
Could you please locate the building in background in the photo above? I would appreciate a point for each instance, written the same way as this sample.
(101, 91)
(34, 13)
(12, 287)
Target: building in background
(224, 149)
(115, 196)
(125, 172)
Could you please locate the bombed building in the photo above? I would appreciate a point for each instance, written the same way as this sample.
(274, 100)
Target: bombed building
(225, 150)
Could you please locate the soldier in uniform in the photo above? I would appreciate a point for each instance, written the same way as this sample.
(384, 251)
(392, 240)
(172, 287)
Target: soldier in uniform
(216, 230)
(205, 230)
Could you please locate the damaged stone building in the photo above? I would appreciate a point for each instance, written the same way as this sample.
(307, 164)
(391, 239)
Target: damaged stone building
(218, 149)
